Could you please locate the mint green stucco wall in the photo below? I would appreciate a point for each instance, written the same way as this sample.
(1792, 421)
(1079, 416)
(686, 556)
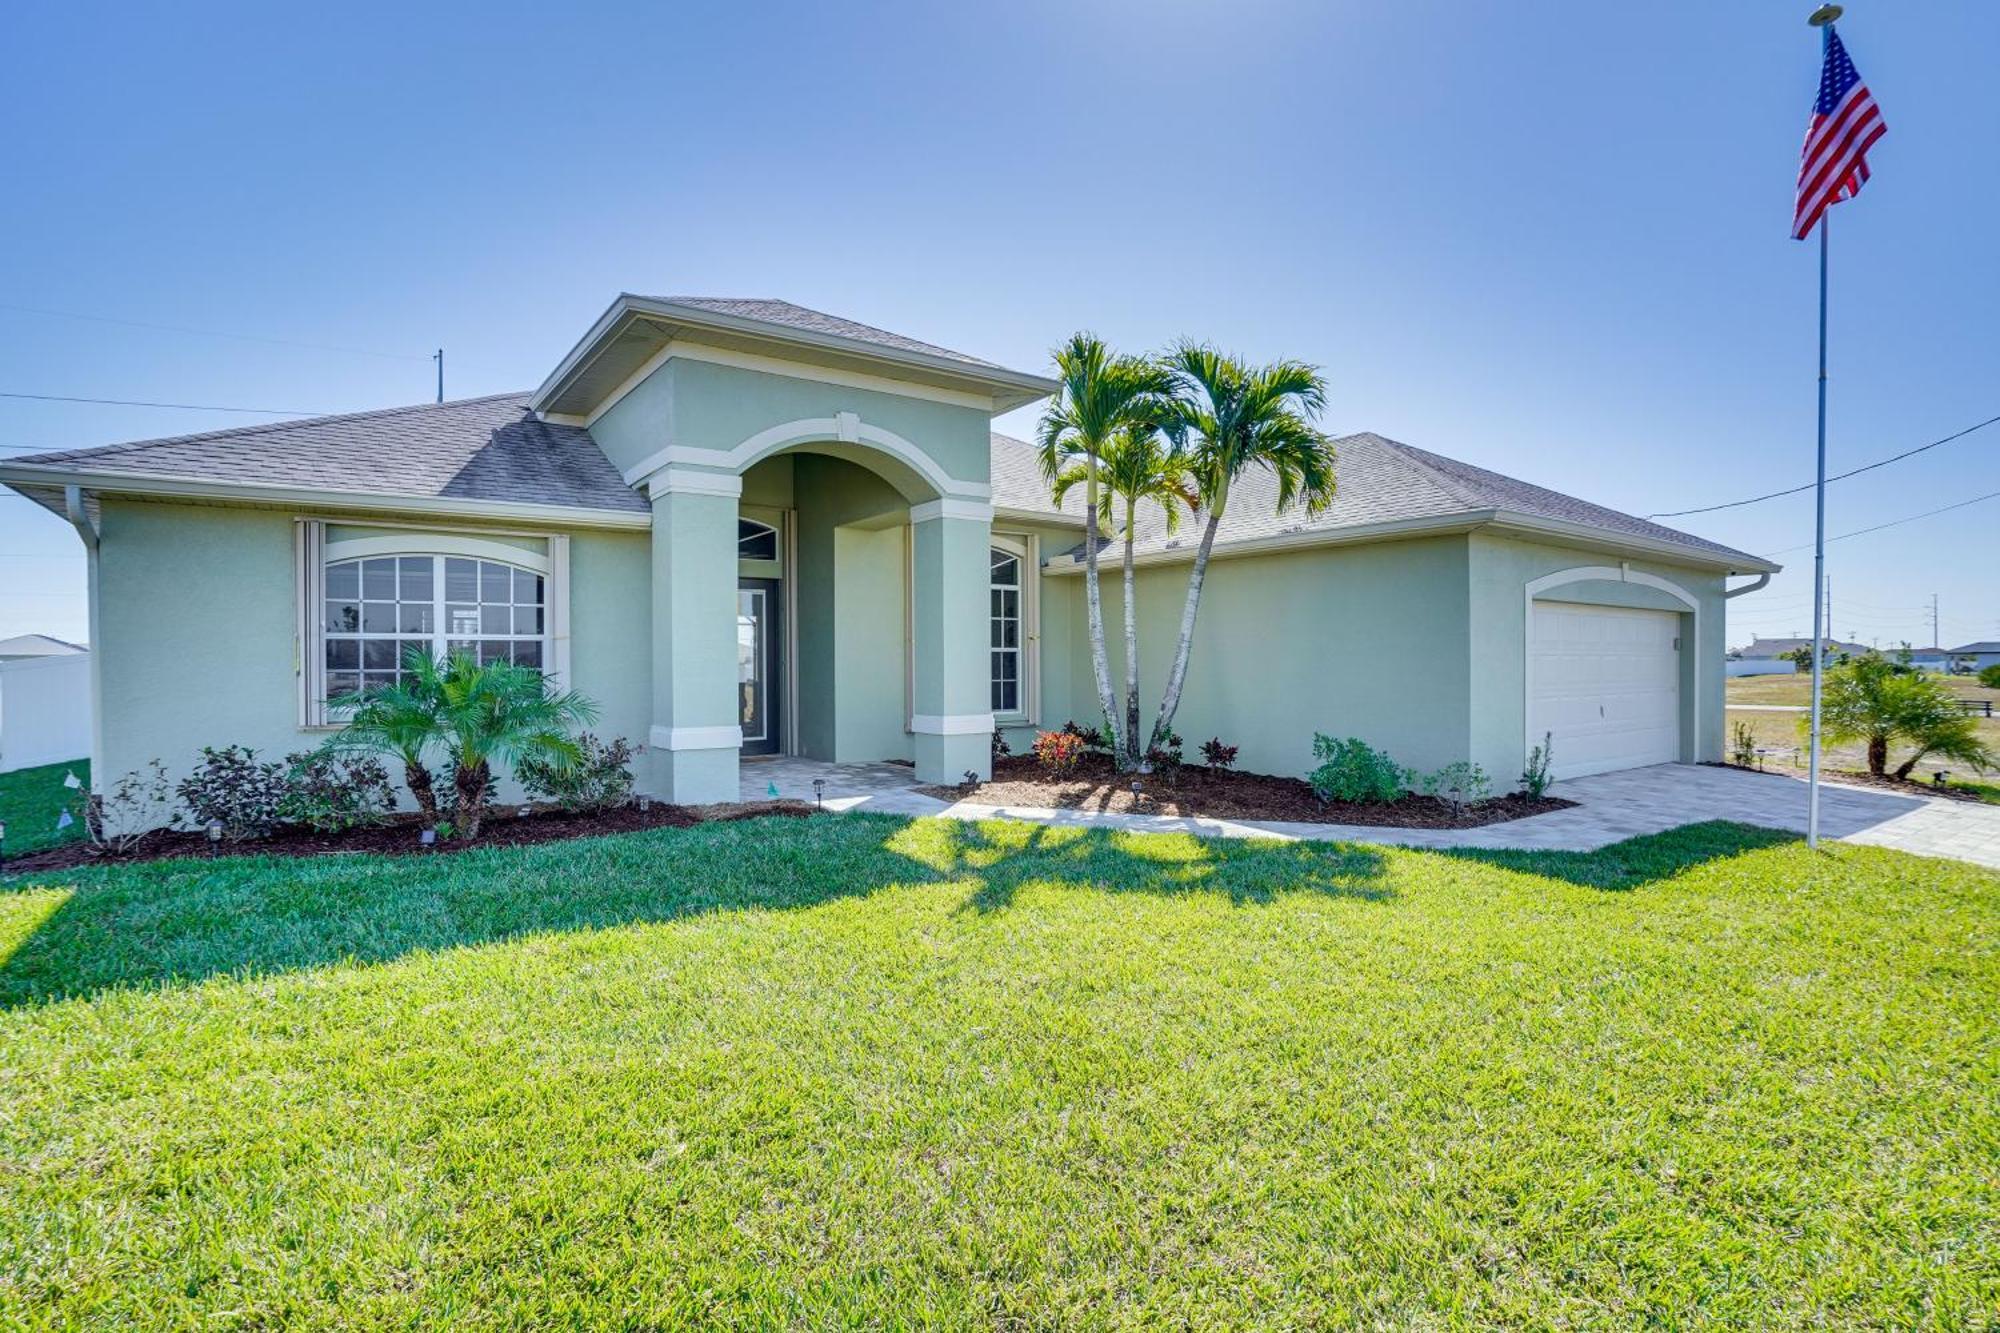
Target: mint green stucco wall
(198, 628)
(1365, 641)
(702, 405)
(1503, 567)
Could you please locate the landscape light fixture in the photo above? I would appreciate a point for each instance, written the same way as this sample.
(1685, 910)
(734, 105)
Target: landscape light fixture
(3, 842)
(819, 792)
(645, 804)
(427, 838)
(214, 835)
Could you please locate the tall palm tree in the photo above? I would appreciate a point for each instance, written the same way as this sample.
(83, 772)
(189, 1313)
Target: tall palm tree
(1138, 466)
(1102, 395)
(1228, 418)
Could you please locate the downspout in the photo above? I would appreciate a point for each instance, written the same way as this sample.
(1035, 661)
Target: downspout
(1762, 580)
(88, 530)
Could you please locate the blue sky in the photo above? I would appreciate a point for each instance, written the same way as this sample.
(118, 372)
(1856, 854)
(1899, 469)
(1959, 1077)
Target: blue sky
(1550, 240)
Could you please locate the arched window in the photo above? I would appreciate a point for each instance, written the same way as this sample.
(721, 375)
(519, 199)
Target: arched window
(755, 541)
(377, 608)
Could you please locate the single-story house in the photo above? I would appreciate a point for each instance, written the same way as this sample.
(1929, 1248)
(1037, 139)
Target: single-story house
(747, 528)
(1978, 656)
(44, 701)
(1766, 650)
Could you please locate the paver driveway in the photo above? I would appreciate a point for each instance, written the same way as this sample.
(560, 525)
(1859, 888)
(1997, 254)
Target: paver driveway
(1609, 808)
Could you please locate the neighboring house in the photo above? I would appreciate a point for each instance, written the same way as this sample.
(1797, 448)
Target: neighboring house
(1979, 655)
(743, 527)
(37, 645)
(1765, 650)
(45, 704)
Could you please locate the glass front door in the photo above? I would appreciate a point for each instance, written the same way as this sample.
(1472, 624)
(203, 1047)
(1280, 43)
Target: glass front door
(758, 675)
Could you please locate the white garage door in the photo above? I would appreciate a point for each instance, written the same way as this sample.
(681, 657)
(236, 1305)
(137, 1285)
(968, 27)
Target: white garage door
(1605, 682)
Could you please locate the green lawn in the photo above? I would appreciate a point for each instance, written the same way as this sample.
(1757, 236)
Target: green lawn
(32, 801)
(857, 1071)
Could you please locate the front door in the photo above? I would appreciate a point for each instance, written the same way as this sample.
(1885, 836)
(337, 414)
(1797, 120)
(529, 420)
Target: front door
(758, 667)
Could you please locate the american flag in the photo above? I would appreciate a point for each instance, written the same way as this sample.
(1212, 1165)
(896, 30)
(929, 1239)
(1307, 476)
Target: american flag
(1845, 125)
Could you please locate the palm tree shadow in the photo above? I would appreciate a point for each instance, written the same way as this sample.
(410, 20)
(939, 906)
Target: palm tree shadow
(180, 922)
(997, 859)
(1635, 862)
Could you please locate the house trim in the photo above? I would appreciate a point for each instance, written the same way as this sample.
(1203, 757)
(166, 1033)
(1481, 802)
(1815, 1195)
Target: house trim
(841, 428)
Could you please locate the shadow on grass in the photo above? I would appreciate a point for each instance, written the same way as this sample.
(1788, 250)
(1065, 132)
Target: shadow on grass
(1636, 861)
(74, 933)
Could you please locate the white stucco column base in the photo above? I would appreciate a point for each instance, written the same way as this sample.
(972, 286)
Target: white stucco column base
(952, 722)
(693, 743)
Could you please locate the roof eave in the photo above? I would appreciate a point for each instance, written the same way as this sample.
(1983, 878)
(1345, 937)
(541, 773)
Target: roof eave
(1009, 388)
(1728, 562)
(22, 478)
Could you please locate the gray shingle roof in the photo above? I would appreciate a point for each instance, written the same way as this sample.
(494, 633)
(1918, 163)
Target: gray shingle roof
(817, 321)
(474, 449)
(1380, 481)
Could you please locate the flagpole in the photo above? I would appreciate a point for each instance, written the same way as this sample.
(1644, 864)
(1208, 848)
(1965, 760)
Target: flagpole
(1822, 19)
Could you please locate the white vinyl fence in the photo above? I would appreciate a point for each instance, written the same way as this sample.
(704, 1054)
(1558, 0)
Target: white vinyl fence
(1759, 666)
(44, 711)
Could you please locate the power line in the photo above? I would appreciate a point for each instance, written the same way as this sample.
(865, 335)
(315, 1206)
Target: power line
(1894, 458)
(1895, 522)
(186, 407)
(214, 333)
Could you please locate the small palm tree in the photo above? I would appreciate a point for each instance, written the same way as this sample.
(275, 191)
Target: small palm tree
(1103, 395)
(1876, 701)
(1138, 466)
(1228, 418)
(475, 714)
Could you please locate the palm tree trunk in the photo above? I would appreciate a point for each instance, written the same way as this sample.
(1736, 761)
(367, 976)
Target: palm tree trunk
(1903, 769)
(1100, 663)
(1878, 755)
(1134, 758)
(418, 779)
(1170, 701)
(472, 785)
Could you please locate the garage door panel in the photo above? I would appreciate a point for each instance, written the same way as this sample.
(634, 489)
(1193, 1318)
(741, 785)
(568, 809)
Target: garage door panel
(1605, 682)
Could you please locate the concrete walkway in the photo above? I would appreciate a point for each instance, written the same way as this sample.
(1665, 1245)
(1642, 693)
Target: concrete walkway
(1610, 808)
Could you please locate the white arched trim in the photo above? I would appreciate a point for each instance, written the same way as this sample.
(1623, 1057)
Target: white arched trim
(840, 428)
(437, 543)
(1619, 573)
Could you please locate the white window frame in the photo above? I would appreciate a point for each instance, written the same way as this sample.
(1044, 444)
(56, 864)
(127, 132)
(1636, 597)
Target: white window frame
(315, 552)
(1023, 547)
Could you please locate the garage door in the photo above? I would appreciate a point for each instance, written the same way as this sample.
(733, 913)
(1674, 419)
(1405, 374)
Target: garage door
(1605, 682)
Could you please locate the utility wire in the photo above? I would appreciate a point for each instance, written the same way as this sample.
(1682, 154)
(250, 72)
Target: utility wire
(186, 407)
(1894, 522)
(214, 333)
(1894, 458)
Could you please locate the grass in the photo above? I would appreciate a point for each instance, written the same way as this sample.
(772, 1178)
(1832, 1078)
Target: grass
(857, 1071)
(1780, 732)
(1796, 690)
(32, 801)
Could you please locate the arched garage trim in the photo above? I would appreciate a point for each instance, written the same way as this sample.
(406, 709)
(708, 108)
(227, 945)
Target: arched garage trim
(1607, 574)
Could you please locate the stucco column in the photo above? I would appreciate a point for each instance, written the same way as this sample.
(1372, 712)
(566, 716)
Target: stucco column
(695, 734)
(952, 704)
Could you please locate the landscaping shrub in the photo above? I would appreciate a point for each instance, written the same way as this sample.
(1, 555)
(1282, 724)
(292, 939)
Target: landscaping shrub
(1535, 779)
(1743, 746)
(231, 787)
(1217, 754)
(1166, 759)
(1990, 676)
(1352, 770)
(1461, 783)
(1000, 747)
(1868, 700)
(1058, 751)
(331, 792)
(129, 808)
(599, 778)
(1093, 739)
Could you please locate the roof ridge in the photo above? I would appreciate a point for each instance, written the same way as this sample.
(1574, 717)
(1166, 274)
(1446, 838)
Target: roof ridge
(262, 427)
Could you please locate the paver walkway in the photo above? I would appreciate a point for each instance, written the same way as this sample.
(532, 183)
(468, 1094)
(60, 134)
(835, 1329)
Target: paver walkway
(1610, 808)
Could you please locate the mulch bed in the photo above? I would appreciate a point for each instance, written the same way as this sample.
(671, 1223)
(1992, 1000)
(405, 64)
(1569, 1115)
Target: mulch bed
(1861, 777)
(1211, 793)
(504, 826)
